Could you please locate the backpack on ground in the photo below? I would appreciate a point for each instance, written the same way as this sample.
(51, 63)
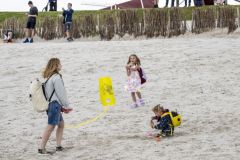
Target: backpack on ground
(38, 96)
(175, 118)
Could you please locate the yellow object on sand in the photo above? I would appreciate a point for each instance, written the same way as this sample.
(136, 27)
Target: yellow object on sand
(106, 91)
(106, 97)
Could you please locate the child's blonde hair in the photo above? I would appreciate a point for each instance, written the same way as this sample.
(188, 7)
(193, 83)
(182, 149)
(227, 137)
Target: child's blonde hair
(158, 108)
(138, 60)
(51, 68)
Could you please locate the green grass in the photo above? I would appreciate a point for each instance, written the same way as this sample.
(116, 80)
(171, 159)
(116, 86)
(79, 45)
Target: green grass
(5, 15)
(187, 12)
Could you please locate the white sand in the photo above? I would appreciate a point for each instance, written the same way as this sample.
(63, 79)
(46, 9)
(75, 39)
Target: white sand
(197, 75)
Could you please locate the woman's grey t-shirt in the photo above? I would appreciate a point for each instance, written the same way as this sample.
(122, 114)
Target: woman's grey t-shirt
(60, 94)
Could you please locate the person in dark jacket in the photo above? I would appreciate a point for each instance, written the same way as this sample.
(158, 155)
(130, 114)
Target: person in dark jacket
(155, 4)
(31, 22)
(162, 121)
(172, 3)
(187, 3)
(53, 5)
(67, 21)
(198, 3)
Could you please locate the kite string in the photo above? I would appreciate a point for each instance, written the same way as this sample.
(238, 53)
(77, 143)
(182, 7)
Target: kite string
(100, 115)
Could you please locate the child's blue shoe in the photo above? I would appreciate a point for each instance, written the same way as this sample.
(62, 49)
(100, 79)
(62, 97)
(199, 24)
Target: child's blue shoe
(134, 105)
(141, 102)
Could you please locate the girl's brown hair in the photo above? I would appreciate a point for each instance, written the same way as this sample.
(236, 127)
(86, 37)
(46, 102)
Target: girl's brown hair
(51, 68)
(158, 108)
(138, 60)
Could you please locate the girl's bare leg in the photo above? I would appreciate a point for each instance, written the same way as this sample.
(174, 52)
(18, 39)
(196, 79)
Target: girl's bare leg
(133, 97)
(139, 95)
(141, 101)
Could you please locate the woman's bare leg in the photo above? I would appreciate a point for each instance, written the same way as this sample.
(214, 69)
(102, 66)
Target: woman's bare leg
(46, 134)
(59, 133)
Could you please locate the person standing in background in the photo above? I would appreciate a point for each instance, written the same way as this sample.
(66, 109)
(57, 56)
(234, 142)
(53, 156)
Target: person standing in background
(31, 23)
(172, 3)
(189, 3)
(155, 2)
(53, 5)
(199, 3)
(67, 21)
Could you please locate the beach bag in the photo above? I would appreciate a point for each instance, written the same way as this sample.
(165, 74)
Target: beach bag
(142, 75)
(38, 96)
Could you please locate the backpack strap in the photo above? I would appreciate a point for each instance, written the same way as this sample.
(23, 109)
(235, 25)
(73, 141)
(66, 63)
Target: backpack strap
(47, 79)
(49, 100)
(165, 114)
(51, 96)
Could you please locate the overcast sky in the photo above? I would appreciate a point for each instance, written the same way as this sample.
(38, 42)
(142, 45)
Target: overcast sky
(21, 5)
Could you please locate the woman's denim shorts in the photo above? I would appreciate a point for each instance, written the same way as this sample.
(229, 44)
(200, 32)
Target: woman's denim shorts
(54, 113)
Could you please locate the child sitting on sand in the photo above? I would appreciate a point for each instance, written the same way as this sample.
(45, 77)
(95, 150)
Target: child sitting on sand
(8, 36)
(162, 121)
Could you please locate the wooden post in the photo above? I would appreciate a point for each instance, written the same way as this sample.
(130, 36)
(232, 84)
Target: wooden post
(142, 4)
(98, 24)
(238, 17)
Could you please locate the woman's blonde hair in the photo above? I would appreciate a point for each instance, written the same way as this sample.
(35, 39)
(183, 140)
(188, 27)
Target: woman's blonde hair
(158, 108)
(51, 68)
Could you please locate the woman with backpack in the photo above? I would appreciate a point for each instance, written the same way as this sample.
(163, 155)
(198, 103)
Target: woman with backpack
(55, 91)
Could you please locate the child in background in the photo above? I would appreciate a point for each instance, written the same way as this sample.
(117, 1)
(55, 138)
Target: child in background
(8, 36)
(162, 121)
(67, 21)
(136, 78)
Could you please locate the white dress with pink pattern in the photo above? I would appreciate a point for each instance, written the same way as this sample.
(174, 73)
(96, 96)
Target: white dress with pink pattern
(133, 82)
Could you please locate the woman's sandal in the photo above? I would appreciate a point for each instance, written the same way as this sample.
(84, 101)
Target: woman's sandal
(42, 151)
(60, 148)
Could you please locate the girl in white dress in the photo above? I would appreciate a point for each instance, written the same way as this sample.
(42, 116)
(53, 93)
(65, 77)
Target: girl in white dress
(135, 80)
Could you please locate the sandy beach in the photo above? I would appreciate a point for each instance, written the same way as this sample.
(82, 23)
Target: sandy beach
(196, 75)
